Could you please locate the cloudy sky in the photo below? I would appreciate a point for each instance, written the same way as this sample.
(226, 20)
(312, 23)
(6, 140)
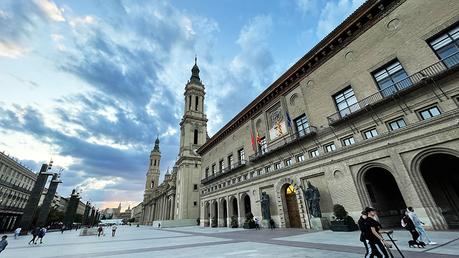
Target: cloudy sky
(91, 83)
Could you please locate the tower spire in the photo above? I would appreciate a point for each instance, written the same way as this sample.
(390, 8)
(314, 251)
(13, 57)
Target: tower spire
(195, 72)
(156, 148)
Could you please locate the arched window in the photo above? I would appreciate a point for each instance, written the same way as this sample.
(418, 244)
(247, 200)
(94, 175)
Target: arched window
(152, 184)
(155, 162)
(196, 103)
(189, 102)
(195, 136)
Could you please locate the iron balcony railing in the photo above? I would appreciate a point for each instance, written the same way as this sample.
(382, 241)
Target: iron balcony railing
(400, 86)
(224, 171)
(9, 208)
(283, 142)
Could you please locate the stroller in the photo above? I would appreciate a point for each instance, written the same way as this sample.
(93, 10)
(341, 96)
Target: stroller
(389, 235)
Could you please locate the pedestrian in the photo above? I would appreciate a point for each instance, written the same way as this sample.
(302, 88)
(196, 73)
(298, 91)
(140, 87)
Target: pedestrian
(41, 234)
(362, 226)
(113, 230)
(418, 224)
(271, 224)
(34, 235)
(408, 224)
(257, 223)
(3, 243)
(373, 234)
(159, 225)
(100, 230)
(17, 232)
(62, 229)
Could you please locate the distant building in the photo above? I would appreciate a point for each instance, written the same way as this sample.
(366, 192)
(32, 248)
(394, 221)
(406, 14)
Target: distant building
(137, 212)
(16, 182)
(127, 214)
(111, 213)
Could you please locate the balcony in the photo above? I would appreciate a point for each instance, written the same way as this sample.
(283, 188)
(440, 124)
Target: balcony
(283, 142)
(10, 209)
(224, 171)
(396, 90)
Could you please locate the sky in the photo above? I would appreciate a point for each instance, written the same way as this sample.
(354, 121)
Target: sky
(90, 84)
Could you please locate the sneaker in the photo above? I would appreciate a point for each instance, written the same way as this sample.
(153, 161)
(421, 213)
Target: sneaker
(432, 243)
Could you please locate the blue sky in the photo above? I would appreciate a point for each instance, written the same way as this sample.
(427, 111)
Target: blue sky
(91, 83)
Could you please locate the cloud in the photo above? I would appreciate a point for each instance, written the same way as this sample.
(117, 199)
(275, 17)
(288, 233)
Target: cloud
(305, 6)
(50, 9)
(93, 183)
(333, 13)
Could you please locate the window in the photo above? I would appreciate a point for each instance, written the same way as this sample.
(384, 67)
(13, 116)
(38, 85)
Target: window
(370, 133)
(397, 124)
(195, 136)
(230, 161)
(288, 162)
(195, 203)
(241, 155)
(189, 102)
(429, 112)
(346, 102)
(446, 45)
(330, 147)
(302, 125)
(195, 187)
(391, 78)
(277, 165)
(313, 153)
(221, 165)
(196, 103)
(299, 157)
(348, 141)
(268, 169)
(263, 146)
(213, 169)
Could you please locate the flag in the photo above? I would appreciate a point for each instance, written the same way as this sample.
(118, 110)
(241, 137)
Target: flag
(289, 121)
(254, 147)
(258, 138)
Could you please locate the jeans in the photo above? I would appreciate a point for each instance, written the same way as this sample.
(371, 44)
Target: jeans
(423, 234)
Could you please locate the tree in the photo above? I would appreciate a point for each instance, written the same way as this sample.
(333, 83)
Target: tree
(55, 216)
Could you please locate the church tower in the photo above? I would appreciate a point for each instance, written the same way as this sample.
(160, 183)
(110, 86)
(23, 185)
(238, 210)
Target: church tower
(153, 171)
(193, 128)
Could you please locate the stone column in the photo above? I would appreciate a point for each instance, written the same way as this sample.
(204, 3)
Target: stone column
(229, 212)
(172, 206)
(46, 205)
(31, 207)
(212, 213)
(220, 213)
(72, 207)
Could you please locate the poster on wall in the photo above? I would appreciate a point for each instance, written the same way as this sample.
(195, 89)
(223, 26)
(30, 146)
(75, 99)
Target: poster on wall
(277, 127)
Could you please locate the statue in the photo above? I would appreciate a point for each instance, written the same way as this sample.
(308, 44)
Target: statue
(265, 212)
(312, 196)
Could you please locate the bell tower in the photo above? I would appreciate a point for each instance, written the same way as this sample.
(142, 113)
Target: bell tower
(193, 130)
(153, 170)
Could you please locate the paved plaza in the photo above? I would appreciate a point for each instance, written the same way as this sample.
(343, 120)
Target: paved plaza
(216, 242)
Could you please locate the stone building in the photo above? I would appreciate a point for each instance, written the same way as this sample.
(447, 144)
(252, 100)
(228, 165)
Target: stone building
(137, 212)
(369, 116)
(16, 182)
(177, 197)
(111, 213)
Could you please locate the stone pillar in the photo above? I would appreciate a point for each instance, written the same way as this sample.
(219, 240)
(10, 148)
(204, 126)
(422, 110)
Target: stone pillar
(212, 212)
(172, 206)
(91, 217)
(31, 207)
(220, 213)
(46, 205)
(229, 212)
(72, 207)
(85, 221)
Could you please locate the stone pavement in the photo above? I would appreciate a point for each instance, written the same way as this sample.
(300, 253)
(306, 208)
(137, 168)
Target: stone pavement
(217, 242)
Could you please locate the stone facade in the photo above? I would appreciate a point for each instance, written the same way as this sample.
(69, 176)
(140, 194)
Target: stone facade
(177, 197)
(369, 116)
(16, 182)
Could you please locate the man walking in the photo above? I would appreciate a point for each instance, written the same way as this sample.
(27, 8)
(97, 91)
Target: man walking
(373, 235)
(34, 235)
(41, 234)
(16, 232)
(114, 230)
(418, 224)
(363, 227)
(3, 243)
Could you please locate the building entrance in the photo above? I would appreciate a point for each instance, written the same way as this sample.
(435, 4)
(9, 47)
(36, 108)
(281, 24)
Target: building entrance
(441, 174)
(291, 202)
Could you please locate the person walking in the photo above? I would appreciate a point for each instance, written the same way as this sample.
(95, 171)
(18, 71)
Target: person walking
(271, 224)
(3, 243)
(41, 234)
(114, 230)
(17, 232)
(99, 230)
(373, 234)
(408, 224)
(363, 227)
(34, 233)
(62, 229)
(418, 224)
(257, 223)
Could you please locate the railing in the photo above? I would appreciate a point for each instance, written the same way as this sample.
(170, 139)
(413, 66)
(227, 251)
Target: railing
(224, 171)
(5, 208)
(282, 142)
(407, 83)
